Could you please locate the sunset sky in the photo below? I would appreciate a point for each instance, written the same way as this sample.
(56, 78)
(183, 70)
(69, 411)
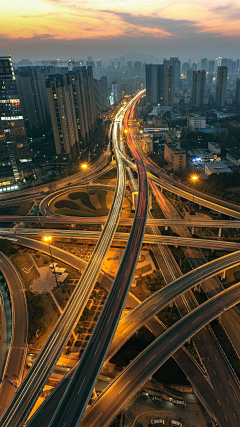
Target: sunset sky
(39, 29)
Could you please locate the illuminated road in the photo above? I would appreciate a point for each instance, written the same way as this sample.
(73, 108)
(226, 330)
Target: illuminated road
(15, 362)
(155, 355)
(72, 406)
(123, 237)
(198, 223)
(30, 388)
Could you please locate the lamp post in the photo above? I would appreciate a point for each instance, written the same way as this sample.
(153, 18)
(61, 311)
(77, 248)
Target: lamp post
(84, 167)
(48, 239)
(194, 178)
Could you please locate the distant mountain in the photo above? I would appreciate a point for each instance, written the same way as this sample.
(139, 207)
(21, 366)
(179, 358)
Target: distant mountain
(149, 59)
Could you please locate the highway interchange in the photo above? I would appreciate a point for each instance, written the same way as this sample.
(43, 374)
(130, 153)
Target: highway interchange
(32, 384)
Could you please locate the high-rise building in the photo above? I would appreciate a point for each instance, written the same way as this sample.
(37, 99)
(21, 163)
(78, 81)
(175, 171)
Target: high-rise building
(224, 62)
(137, 68)
(211, 66)
(185, 68)
(81, 85)
(102, 88)
(222, 73)
(198, 88)
(194, 66)
(168, 97)
(130, 68)
(204, 64)
(175, 62)
(116, 92)
(63, 117)
(15, 157)
(160, 84)
(155, 83)
(99, 65)
(33, 96)
(237, 93)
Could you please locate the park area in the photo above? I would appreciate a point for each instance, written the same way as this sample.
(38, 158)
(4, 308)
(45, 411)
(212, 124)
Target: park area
(87, 202)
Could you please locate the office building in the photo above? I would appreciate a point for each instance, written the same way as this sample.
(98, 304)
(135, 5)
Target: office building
(211, 66)
(194, 66)
(198, 88)
(33, 96)
(221, 85)
(175, 157)
(204, 64)
(15, 159)
(155, 83)
(237, 93)
(137, 68)
(168, 96)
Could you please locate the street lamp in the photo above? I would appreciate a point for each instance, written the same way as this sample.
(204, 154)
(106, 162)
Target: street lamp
(84, 167)
(194, 178)
(48, 239)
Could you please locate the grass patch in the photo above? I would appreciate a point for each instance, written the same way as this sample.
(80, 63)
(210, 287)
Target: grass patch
(42, 318)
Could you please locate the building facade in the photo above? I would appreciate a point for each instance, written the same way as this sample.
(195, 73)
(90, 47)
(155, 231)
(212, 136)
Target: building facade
(176, 158)
(168, 97)
(198, 88)
(15, 159)
(222, 74)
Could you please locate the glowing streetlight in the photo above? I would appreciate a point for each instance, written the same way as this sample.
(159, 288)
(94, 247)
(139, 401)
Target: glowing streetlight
(125, 131)
(48, 239)
(84, 166)
(194, 178)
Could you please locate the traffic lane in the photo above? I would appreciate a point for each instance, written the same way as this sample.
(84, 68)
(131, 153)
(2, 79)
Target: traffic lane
(154, 304)
(223, 374)
(148, 238)
(157, 353)
(26, 395)
(123, 221)
(72, 406)
(15, 363)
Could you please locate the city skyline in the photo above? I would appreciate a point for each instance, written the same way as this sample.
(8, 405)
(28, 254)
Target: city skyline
(51, 28)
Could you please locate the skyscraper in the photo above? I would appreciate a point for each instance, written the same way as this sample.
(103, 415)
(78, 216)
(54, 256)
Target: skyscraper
(198, 89)
(33, 96)
(177, 71)
(237, 93)
(204, 64)
(224, 62)
(155, 83)
(130, 68)
(14, 151)
(137, 68)
(211, 66)
(185, 68)
(102, 88)
(63, 117)
(222, 73)
(168, 85)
